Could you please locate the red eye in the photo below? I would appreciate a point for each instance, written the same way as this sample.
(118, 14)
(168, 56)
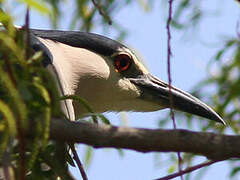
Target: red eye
(122, 62)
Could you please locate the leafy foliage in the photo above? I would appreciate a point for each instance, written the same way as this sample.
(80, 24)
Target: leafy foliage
(28, 101)
(227, 90)
(222, 91)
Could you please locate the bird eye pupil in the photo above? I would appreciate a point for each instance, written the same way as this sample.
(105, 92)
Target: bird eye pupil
(122, 62)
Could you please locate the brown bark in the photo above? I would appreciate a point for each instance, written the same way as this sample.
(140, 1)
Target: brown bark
(211, 145)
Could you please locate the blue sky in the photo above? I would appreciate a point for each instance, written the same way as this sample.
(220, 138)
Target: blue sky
(191, 52)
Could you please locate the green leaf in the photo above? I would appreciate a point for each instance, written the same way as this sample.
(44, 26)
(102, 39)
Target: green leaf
(47, 111)
(177, 25)
(84, 103)
(102, 118)
(235, 171)
(19, 105)
(120, 152)
(88, 156)
(9, 117)
(36, 5)
(145, 5)
(172, 168)
(79, 99)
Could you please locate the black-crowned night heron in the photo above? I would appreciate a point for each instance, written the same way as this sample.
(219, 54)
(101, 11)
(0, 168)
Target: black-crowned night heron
(108, 76)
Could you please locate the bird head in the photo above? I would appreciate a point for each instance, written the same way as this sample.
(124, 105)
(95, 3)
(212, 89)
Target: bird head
(109, 76)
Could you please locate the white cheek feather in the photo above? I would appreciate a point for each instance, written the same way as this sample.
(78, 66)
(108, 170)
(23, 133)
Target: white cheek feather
(85, 64)
(92, 77)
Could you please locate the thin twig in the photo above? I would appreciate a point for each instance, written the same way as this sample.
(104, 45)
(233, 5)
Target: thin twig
(20, 130)
(6, 165)
(101, 12)
(78, 161)
(188, 170)
(26, 27)
(169, 54)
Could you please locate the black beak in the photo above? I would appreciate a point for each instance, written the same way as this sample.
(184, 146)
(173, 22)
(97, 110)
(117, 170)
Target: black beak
(157, 91)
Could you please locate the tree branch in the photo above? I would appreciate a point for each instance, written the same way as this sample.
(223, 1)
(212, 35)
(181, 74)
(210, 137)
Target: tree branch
(213, 146)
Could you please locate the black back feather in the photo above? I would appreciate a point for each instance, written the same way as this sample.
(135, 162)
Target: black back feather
(93, 42)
